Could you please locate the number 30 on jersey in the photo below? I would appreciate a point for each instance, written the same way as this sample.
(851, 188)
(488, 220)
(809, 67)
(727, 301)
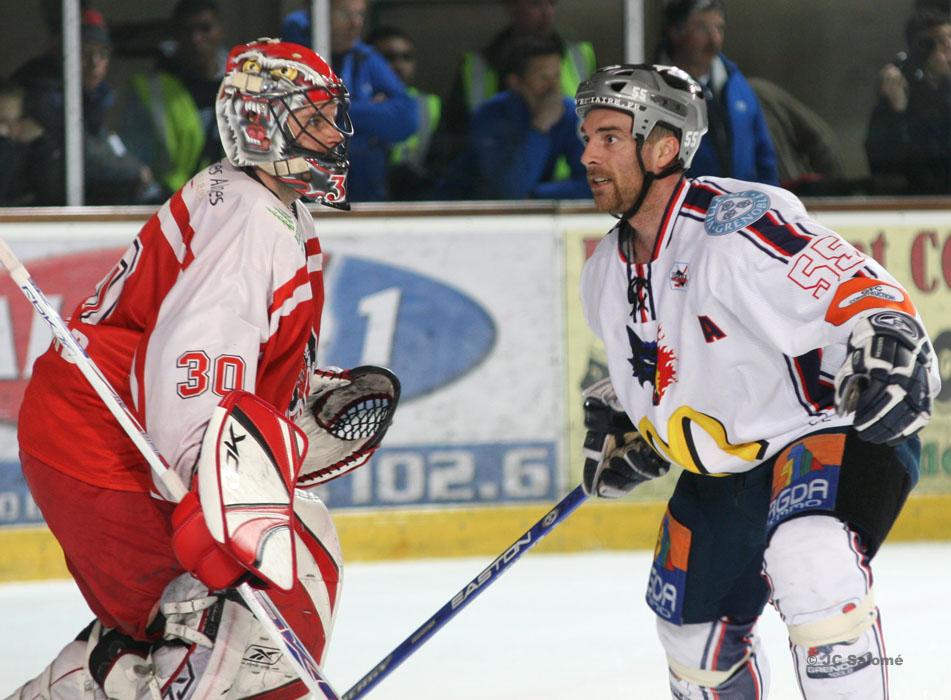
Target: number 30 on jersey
(225, 374)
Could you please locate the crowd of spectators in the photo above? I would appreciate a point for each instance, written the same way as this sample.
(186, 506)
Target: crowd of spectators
(169, 110)
(35, 172)
(506, 128)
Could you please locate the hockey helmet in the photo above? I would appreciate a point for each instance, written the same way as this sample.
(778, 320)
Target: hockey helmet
(266, 82)
(652, 95)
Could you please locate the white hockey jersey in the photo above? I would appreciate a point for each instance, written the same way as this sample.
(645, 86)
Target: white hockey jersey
(724, 347)
(220, 290)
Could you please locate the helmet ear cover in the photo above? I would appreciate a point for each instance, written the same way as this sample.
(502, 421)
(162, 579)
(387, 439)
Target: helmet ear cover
(266, 82)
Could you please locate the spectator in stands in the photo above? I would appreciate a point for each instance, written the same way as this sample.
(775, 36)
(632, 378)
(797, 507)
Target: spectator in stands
(169, 119)
(26, 152)
(737, 143)
(808, 155)
(111, 174)
(478, 79)
(523, 142)
(409, 176)
(381, 110)
(909, 134)
(296, 26)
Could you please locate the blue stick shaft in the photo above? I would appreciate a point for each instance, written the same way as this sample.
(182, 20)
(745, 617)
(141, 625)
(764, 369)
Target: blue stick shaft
(565, 507)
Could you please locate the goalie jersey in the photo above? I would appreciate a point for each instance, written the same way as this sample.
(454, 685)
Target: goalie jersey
(724, 347)
(220, 290)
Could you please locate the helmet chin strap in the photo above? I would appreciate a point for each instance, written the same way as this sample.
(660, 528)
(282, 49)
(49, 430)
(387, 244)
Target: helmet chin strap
(648, 180)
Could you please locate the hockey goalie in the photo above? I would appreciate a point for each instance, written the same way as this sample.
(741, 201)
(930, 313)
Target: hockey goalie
(207, 327)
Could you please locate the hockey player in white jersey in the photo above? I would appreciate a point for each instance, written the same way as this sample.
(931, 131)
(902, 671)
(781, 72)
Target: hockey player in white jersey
(783, 370)
(221, 291)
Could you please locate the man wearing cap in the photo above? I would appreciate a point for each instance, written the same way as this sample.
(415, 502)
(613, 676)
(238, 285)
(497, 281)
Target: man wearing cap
(111, 174)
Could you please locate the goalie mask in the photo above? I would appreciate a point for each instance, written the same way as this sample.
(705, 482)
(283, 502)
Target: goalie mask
(267, 84)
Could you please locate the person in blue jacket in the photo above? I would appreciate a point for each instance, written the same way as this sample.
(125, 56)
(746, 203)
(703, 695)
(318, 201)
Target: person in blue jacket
(738, 143)
(523, 142)
(381, 110)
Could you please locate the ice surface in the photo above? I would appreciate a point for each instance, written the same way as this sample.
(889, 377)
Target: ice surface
(552, 627)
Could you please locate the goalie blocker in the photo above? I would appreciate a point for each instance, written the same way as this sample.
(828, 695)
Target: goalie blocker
(238, 517)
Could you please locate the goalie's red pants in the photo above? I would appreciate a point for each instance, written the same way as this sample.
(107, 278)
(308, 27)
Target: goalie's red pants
(117, 544)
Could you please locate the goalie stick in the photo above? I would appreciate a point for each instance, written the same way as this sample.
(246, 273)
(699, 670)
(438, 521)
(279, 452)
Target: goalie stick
(258, 601)
(565, 507)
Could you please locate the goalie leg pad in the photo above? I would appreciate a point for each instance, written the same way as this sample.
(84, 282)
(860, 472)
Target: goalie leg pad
(227, 653)
(67, 677)
(724, 656)
(821, 585)
(100, 663)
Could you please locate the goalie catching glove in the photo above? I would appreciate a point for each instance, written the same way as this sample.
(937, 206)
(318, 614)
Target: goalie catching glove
(885, 378)
(346, 416)
(616, 457)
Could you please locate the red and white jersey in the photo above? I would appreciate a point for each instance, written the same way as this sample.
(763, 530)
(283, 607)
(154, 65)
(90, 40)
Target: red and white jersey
(220, 290)
(724, 347)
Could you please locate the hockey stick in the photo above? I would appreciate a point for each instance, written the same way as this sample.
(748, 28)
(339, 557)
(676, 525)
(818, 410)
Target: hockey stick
(565, 507)
(258, 601)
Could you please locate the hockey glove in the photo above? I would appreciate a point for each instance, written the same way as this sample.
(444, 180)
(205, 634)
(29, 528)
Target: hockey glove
(345, 418)
(885, 378)
(616, 457)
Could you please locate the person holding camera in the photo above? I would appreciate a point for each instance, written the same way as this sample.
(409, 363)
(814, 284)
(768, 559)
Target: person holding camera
(909, 134)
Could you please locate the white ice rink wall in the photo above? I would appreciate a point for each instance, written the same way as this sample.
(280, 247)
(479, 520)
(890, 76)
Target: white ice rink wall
(477, 313)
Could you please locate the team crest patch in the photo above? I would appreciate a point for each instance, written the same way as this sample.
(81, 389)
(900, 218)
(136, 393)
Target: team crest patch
(731, 212)
(678, 276)
(668, 579)
(806, 477)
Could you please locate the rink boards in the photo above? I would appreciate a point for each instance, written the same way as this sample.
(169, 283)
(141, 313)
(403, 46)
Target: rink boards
(479, 317)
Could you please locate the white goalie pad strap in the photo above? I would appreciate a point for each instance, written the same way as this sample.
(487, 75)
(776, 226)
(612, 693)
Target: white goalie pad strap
(838, 628)
(250, 459)
(177, 613)
(345, 419)
(702, 677)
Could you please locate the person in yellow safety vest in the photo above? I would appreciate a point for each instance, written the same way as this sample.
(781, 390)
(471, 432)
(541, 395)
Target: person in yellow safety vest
(477, 78)
(409, 176)
(169, 117)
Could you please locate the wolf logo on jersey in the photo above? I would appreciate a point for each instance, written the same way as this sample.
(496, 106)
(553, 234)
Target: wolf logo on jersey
(652, 363)
(643, 358)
